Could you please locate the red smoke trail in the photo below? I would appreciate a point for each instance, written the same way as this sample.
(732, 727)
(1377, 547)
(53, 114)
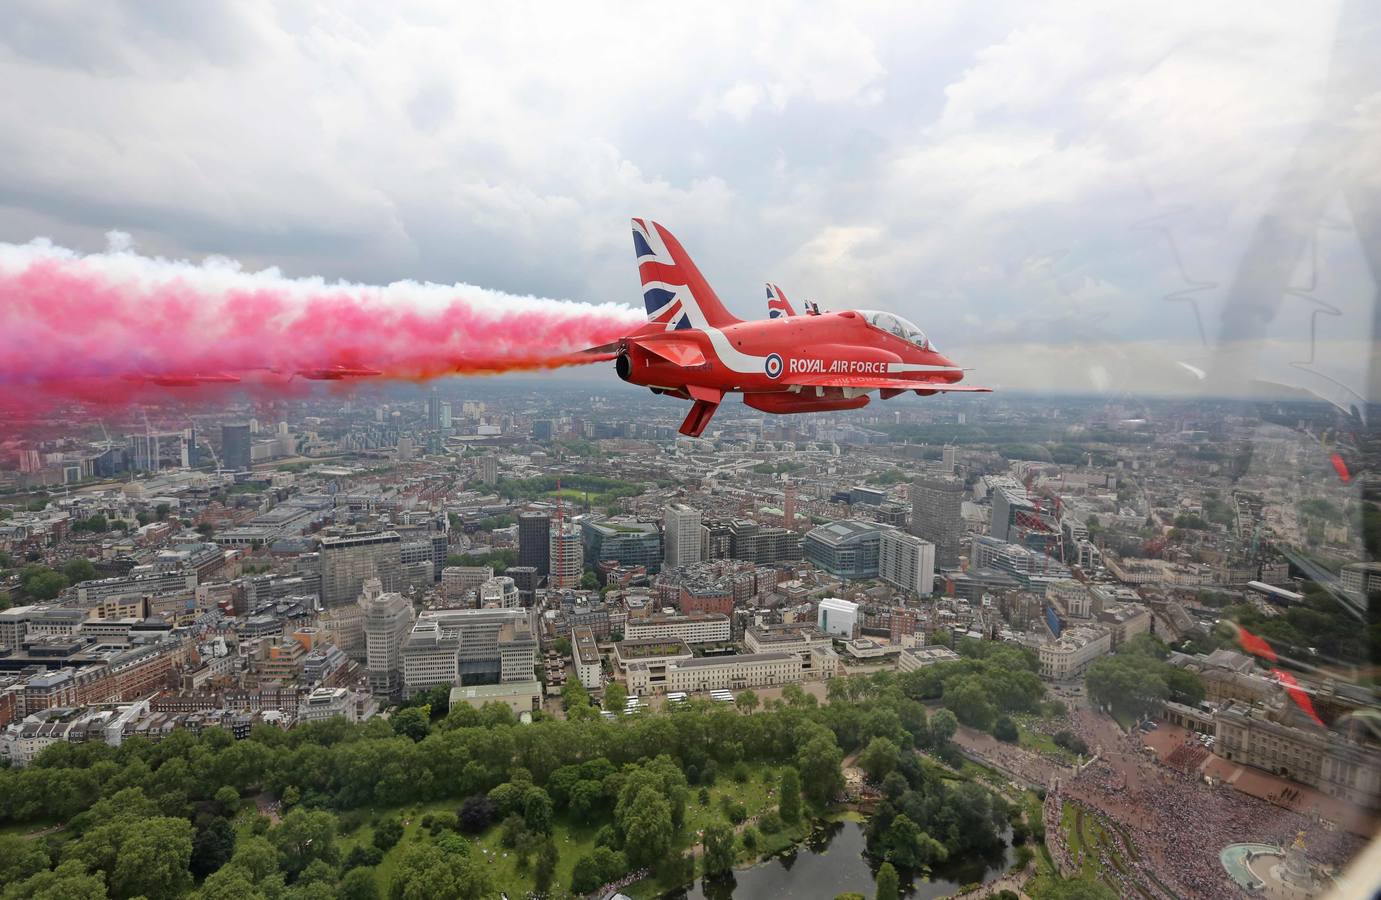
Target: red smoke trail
(97, 328)
(1255, 644)
(1298, 694)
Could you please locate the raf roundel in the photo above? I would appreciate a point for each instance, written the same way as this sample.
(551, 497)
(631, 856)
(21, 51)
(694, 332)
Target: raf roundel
(773, 365)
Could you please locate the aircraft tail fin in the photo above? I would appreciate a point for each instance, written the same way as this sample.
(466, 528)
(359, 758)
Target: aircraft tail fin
(676, 295)
(778, 307)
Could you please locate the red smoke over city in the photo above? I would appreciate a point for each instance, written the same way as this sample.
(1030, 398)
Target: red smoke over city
(114, 327)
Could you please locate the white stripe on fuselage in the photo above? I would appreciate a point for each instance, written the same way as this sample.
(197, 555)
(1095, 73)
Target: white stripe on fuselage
(920, 367)
(732, 359)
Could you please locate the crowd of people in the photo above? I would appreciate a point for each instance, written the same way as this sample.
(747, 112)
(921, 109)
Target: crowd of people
(614, 887)
(1180, 824)
(1165, 824)
(1188, 756)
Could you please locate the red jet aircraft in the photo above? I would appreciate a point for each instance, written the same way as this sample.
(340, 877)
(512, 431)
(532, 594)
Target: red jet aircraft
(693, 348)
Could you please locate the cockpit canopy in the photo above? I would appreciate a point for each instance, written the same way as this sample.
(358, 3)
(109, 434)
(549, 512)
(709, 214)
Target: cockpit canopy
(894, 324)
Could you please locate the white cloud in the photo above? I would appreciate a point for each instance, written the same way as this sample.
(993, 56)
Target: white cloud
(925, 158)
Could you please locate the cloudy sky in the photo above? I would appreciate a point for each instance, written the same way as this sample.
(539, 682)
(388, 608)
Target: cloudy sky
(1028, 182)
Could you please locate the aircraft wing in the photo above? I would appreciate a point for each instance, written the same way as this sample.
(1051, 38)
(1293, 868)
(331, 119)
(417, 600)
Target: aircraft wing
(882, 383)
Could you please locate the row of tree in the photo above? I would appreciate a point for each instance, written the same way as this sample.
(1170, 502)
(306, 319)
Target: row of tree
(631, 779)
(1136, 679)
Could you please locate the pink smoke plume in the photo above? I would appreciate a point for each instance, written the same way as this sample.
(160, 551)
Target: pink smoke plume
(90, 327)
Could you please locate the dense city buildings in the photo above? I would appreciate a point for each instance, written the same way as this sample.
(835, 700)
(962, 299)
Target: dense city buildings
(343, 586)
(368, 531)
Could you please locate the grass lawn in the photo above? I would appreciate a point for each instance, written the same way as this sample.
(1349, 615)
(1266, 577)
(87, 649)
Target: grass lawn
(572, 494)
(972, 771)
(1043, 744)
(1087, 833)
(753, 794)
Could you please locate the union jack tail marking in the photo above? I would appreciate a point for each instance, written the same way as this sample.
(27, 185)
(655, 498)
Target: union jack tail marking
(778, 306)
(675, 294)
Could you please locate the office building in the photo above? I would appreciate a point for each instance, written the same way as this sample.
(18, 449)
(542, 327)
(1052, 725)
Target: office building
(1072, 599)
(457, 580)
(587, 661)
(519, 696)
(682, 534)
(425, 554)
(1032, 568)
(1020, 519)
(347, 560)
(499, 593)
(870, 496)
(911, 659)
(936, 517)
(728, 673)
(777, 545)
(327, 703)
(469, 647)
(949, 458)
(1124, 621)
(848, 548)
(625, 541)
(431, 657)
(892, 513)
(526, 579)
(716, 541)
(236, 455)
(743, 539)
(433, 411)
(144, 452)
(706, 628)
(1073, 652)
(534, 541)
(387, 621)
(906, 562)
(566, 555)
(796, 637)
(1361, 578)
(837, 617)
